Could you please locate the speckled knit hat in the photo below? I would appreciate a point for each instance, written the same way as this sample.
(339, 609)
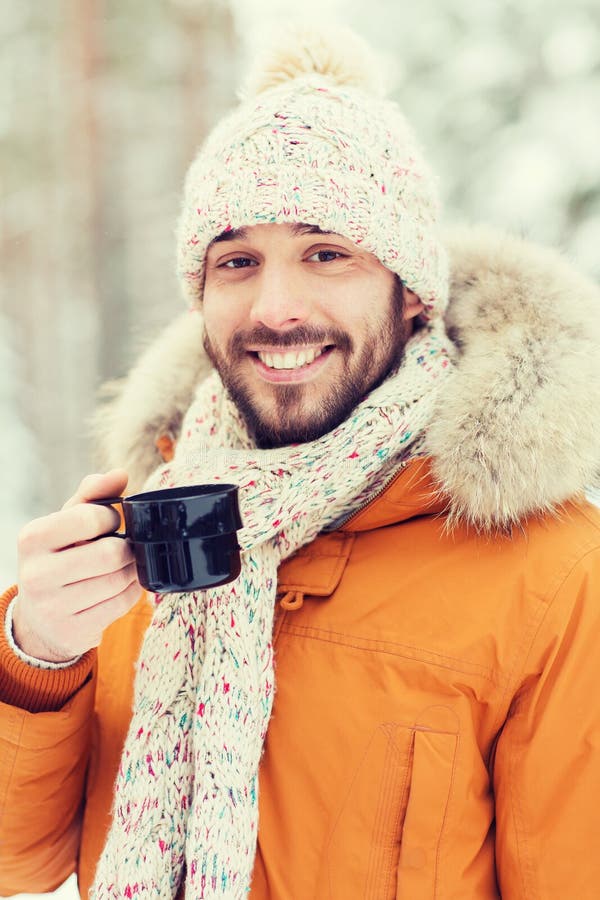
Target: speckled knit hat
(313, 141)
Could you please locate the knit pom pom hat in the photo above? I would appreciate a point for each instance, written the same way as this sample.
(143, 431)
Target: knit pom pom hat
(315, 142)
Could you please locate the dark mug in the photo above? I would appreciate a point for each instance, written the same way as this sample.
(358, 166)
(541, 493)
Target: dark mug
(183, 538)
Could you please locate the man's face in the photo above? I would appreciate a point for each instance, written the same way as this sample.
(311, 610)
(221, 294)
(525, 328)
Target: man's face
(301, 325)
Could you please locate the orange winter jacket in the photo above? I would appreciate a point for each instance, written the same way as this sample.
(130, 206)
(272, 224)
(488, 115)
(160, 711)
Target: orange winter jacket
(435, 730)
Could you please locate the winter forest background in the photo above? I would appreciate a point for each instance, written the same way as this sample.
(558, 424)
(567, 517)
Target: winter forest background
(102, 105)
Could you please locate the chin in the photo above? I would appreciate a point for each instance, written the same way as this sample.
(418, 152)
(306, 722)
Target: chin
(271, 440)
(269, 433)
(278, 430)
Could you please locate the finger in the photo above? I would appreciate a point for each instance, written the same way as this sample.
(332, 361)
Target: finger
(84, 630)
(101, 614)
(78, 598)
(97, 487)
(82, 522)
(92, 559)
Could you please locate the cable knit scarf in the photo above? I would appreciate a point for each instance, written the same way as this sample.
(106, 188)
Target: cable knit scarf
(186, 795)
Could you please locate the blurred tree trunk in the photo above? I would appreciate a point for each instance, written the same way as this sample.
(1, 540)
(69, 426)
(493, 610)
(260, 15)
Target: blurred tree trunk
(79, 210)
(208, 57)
(105, 110)
(53, 272)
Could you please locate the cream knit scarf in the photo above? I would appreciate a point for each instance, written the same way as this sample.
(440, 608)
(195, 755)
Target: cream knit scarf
(186, 796)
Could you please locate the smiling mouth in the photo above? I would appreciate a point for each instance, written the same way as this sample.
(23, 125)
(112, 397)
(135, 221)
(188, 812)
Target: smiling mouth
(291, 359)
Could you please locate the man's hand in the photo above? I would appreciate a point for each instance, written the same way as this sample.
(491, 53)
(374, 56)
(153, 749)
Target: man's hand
(71, 587)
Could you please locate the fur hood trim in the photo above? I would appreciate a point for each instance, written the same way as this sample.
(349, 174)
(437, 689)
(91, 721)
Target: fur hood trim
(517, 429)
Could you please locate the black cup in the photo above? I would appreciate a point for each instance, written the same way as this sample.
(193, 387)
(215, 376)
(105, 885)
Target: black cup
(184, 539)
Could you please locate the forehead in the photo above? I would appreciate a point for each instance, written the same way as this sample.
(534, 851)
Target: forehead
(292, 229)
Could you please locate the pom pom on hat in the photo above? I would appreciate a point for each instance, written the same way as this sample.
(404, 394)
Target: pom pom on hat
(338, 55)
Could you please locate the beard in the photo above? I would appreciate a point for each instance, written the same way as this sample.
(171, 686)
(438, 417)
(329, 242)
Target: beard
(293, 416)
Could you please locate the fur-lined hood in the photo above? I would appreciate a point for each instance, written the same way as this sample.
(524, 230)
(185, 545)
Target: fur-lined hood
(517, 429)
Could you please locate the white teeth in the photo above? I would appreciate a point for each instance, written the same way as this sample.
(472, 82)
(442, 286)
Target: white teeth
(289, 360)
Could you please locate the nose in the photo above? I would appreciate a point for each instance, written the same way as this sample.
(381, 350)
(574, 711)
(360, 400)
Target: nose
(280, 301)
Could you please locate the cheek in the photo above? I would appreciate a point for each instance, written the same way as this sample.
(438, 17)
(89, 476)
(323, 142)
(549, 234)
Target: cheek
(220, 320)
(366, 308)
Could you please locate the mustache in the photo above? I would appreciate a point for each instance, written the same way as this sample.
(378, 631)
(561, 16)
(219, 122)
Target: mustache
(303, 334)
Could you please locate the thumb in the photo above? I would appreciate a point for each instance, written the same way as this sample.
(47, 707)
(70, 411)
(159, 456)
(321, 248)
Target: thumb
(99, 486)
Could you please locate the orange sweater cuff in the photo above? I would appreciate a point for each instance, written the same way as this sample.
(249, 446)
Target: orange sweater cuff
(33, 689)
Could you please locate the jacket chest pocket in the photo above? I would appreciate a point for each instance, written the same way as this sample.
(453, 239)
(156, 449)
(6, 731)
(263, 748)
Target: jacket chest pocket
(385, 841)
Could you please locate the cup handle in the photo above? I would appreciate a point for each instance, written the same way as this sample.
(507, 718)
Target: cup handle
(110, 501)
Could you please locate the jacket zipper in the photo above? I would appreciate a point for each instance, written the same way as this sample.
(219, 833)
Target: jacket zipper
(389, 481)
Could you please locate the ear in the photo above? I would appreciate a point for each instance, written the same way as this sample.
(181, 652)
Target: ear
(412, 305)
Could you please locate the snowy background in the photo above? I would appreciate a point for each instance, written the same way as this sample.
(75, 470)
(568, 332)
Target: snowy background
(102, 104)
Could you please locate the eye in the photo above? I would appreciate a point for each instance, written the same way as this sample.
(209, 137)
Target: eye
(238, 262)
(325, 256)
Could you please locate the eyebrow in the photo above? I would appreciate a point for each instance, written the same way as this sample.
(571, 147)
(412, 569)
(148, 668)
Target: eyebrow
(241, 234)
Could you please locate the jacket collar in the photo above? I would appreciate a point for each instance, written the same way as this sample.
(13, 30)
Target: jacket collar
(412, 492)
(516, 429)
(317, 568)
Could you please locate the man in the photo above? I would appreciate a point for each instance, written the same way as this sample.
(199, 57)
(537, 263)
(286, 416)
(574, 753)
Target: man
(417, 717)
